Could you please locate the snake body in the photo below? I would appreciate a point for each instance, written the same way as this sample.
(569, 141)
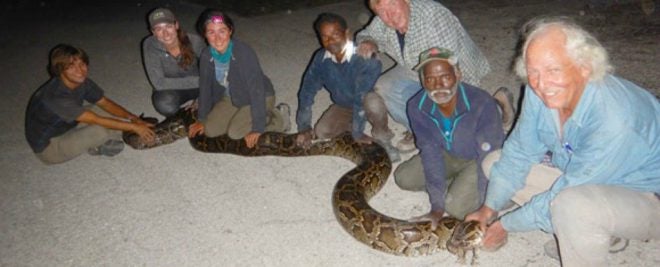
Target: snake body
(350, 198)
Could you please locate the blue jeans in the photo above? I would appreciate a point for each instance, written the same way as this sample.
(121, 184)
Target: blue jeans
(396, 87)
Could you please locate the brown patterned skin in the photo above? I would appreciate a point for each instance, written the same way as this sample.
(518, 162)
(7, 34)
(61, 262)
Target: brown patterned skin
(467, 236)
(350, 198)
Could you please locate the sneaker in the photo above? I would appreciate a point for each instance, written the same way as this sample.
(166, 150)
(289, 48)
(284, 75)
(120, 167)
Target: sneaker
(407, 143)
(504, 99)
(285, 111)
(392, 152)
(383, 136)
(109, 148)
(616, 245)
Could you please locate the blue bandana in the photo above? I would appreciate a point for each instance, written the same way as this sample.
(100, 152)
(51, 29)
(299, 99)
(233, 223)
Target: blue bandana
(223, 57)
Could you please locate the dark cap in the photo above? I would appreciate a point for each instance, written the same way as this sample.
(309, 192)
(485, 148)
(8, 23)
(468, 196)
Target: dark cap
(436, 53)
(160, 15)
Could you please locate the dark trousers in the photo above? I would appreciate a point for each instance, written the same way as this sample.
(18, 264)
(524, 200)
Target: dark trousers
(167, 102)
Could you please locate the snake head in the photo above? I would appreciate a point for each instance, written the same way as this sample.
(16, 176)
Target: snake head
(467, 235)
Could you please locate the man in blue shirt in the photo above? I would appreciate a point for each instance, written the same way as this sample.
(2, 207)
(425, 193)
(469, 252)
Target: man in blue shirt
(604, 135)
(455, 126)
(349, 79)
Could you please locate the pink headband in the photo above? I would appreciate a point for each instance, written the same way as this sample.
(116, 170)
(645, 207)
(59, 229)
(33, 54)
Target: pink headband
(215, 19)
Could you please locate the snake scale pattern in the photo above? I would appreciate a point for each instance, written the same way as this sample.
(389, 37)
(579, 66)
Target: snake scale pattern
(351, 194)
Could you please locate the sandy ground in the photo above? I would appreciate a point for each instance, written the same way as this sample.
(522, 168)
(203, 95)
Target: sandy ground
(172, 206)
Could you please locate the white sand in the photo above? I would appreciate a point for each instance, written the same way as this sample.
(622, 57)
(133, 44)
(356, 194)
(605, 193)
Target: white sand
(173, 206)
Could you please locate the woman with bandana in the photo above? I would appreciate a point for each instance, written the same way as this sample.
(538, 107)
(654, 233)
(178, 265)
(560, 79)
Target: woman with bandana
(235, 96)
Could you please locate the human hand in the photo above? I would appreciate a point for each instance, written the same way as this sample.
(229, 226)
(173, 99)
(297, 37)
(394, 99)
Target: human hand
(433, 216)
(496, 237)
(483, 215)
(195, 129)
(251, 139)
(145, 132)
(304, 138)
(140, 121)
(367, 49)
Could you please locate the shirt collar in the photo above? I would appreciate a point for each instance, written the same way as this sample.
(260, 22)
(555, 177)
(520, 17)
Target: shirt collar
(462, 104)
(349, 50)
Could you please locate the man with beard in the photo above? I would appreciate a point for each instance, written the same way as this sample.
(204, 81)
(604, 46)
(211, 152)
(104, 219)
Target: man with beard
(402, 29)
(349, 79)
(455, 126)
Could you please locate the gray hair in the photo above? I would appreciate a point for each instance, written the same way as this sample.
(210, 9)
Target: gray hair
(581, 46)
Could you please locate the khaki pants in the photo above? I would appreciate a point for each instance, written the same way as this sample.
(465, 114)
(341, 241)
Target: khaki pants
(462, 195)
(236, 122)
(585, 217)
(77, 141)
(539, 180)
(336, 120)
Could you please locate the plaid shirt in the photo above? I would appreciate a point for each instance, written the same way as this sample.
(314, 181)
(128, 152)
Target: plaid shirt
(431, 24)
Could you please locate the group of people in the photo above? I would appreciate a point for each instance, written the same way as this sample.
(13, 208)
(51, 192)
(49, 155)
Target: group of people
(581, 162)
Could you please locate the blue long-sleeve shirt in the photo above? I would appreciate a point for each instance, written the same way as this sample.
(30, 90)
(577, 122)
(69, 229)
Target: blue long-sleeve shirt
(612, 137)
(476, 130)
(346, 82)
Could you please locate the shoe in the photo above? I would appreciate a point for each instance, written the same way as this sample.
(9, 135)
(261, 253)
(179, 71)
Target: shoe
(110, 148)
(384, 136)
(616, 245)
(285, 111)
(504, 99)
(392, 152)
(407, 143)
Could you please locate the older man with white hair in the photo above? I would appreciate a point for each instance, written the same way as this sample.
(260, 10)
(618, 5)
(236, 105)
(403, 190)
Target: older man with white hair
(604, 135)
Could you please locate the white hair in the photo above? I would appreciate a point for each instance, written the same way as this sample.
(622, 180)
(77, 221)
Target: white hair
(581, 46)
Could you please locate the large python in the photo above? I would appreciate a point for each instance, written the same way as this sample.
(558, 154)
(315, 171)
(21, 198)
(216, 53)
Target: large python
(351, 194)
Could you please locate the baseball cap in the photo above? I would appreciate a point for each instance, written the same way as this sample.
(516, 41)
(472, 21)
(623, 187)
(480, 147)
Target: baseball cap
(436, 53)
(160, 15)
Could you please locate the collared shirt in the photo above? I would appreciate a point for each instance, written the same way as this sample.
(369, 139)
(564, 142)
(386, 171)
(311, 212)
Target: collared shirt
(431, 24)
(347, 82)
(348, 50)
(612, 137)
(475, 131)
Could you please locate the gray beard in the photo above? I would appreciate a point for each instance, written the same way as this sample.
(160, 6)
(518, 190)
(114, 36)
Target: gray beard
(449, 94)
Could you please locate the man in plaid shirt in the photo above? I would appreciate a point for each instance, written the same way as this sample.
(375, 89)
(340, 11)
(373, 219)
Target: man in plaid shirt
(402, 29)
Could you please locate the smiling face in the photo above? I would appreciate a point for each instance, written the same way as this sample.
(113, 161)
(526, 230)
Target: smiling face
(166, 33)
(333, 38)
(553, 75)
(217, 35)
(394, 13)
(440, 81)
(74, 74)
